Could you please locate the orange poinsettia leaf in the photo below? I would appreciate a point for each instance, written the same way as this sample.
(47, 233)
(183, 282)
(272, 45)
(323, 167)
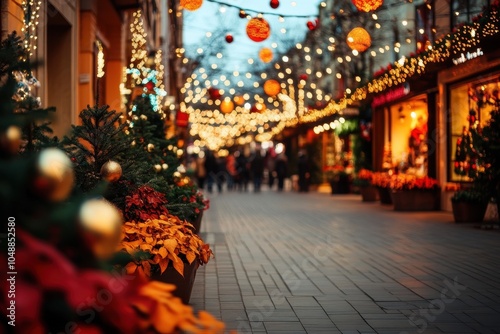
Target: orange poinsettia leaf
(147, 267)
(190, 256)
(163, 265)
(179, 266)
(131, 267)
(162, 320)
(163, 252)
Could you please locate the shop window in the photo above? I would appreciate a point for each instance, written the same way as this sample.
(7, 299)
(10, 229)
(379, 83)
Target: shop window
(407, 140)
(463, 11)
(470, 105)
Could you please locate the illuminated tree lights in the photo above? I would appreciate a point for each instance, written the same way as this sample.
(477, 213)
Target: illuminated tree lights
(258, 29)
(359, 39)
(367, 5)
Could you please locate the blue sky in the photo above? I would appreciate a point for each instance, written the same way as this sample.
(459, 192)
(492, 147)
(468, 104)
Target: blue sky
(210, 17)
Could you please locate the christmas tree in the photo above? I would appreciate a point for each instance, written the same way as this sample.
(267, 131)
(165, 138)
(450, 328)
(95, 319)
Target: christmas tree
(57, 243)
(468, 159)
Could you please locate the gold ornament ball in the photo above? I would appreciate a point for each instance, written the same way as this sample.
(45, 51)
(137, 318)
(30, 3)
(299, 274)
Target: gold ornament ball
(164, 166)
(10, 140)
(111, 171)
(359, 39)
(101, 224)
(158, 168)
(55, 176)
(272, 87)
(150, 147)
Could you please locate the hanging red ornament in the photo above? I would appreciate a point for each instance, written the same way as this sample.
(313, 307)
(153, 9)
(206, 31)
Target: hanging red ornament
(229, 38)
(150, 85)
(312, 25)
(367, 5)
(214, 93)
(303, 77)
(258, 29)
(274, 4)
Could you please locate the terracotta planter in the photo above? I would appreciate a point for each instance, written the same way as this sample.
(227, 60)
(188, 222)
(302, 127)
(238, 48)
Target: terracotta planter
(197, 222)
(369, 193)
(184, 284)
(384, 194)
(465, 212)
(415, 200)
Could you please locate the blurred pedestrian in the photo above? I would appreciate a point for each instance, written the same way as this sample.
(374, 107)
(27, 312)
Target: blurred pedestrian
(303, 169)
(242, 170)
(211, 169)
(200, 170)
(281, 167)
(231, 171)
(270, 166)
(257, 169)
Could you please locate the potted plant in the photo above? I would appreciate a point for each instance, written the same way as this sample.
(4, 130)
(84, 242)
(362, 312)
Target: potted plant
(412, 193)
(339, 179)
(469, 205)
(165, 249)
(161, 244)
(363, 180)
(382, 182)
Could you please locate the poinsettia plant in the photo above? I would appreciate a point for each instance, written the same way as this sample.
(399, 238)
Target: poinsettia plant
(185, 200)
(145, 203)
(382, 180)
(412, 182)
(167, 240)
(363, 178)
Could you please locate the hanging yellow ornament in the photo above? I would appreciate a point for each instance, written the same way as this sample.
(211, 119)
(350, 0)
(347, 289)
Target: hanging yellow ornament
(191, 4)
(10, 140)
(266, 55)
(101, 224)
(272, 87)
(111, 171)
(359, 39)
(227, 106)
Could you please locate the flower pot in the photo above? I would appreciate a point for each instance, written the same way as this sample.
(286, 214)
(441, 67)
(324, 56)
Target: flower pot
(369, 193)
(415, 200)
(466, 212)
(197, 222)
(341, 185)
(184, 285)
(384, 194)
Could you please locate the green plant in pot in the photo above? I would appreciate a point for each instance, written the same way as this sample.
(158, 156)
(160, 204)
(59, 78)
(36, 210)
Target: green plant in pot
(490, 150)
(469, 205)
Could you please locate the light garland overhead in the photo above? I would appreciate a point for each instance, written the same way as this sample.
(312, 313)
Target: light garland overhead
(31, 16)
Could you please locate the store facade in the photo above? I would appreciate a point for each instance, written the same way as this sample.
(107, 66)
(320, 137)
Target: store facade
(468, 92)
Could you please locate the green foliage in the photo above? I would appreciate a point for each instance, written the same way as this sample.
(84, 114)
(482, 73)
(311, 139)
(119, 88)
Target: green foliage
(470, 196)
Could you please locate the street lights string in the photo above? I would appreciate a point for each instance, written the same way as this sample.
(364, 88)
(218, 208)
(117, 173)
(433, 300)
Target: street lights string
(261, 12)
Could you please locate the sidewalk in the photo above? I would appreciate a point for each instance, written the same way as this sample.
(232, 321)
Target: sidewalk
(317, 263)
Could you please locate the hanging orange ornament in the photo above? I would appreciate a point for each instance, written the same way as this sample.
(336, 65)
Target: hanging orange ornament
(258, 29)
(227, 106)
(266, 55)
(261, 107)
(272, 87)
(359, 39)
(367, 5)
(191, 4)
(239, 100)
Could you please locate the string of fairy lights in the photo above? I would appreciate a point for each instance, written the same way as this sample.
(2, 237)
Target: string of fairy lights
(31, 11)
(209, 124)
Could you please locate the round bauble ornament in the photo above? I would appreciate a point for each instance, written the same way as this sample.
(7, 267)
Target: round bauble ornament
(164, 166)
(227, 106)
(239, 100)
(10, 140)
(258, 29)
(150, 85)
(54, 175)
(111, 171)
(157, 168)
(367, 5)
(150, 147)
(242, 14)
(101, 224)
(359, 39)
(274, 4)
(266, 55)
(191, 4)
(272, 87)
(229, 38)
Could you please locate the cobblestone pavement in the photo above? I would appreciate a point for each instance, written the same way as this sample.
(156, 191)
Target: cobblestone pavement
(317, 263)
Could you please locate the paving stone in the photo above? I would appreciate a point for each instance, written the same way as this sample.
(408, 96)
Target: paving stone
(315, 263)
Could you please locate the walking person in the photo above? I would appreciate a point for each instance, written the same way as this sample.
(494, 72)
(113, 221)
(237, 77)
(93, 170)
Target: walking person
(303, 169)
(271, 166)
(281, 167)
(200, 170)
(242, 171)
(211, 169)
(257, 169)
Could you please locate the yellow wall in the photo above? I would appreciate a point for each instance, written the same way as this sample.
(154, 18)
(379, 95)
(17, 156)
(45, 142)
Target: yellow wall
(11, 16)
